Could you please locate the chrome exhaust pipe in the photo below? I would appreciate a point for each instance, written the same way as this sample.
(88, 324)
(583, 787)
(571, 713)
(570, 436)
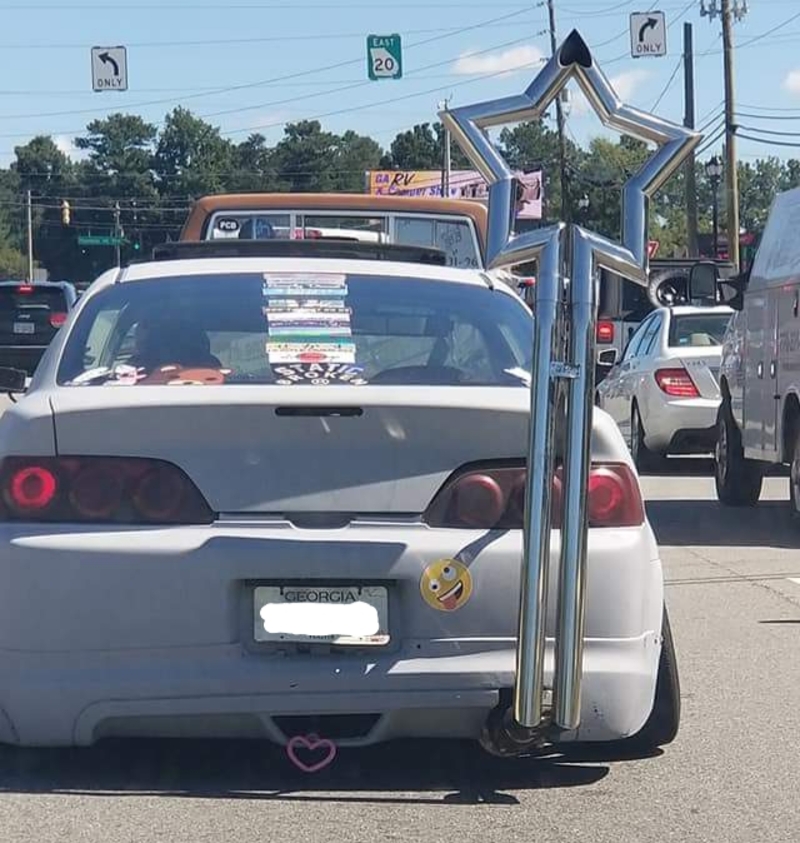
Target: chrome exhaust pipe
(565, 315)
(571, 611)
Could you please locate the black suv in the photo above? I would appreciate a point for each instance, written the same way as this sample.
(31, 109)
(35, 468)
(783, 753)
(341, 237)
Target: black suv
(30, 316)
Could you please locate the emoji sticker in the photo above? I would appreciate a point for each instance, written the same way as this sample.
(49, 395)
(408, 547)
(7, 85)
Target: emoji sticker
(446, 585)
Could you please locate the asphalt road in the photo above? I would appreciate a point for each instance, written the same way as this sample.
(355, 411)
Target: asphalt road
(731, 776)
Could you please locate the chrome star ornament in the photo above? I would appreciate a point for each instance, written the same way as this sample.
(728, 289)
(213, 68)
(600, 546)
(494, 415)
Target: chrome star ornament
(573, 60)
(562, 369)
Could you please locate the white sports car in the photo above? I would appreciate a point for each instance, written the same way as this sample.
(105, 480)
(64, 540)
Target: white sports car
(664, 392)
(264, 497)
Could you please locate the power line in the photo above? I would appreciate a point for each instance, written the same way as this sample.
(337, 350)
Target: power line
(769, 142)
(668, 85)
(258, 84)
(253, 129)
(220, 42)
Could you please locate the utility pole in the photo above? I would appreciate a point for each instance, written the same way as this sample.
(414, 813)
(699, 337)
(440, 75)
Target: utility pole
(30, 237)
(728, 11)
(117, 234)
(688, 122)
(562, 144)
(446, 165)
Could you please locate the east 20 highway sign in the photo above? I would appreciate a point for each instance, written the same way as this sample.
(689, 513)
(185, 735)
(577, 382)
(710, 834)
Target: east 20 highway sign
(384, 57)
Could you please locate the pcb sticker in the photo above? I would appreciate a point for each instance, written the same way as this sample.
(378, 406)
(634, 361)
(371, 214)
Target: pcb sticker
(319, 374)
(446, 585)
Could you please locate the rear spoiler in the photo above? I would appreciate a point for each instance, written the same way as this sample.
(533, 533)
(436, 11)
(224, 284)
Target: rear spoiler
(327, 248)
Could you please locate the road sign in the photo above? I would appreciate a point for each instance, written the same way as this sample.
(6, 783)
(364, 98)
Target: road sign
(100, 240)
(384, 57)
(109, 69)
(648, 34)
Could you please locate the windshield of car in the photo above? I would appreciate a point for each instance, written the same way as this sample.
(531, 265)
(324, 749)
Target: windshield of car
(698, 329)
(299, 328)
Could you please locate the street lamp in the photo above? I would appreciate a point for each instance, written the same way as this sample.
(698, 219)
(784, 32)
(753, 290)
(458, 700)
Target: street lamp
(713, 169)
(583, 206)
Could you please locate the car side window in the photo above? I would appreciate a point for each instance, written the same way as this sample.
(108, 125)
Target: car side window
(649, 339)
(636, 340)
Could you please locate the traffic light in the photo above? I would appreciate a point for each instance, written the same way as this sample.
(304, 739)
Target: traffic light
(65, 212)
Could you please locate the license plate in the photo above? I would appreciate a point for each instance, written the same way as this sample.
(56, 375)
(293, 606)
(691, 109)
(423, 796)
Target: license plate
(24, 328)
(322, 614)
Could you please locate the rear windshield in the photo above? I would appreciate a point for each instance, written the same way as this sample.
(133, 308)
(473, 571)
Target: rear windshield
(455, 237)
(18, 298)
(698, 330)
(288, 328)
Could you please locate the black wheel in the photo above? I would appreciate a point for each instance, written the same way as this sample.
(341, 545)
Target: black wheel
(737, 479)
(662, 726)
(794, 478)
(643, 458)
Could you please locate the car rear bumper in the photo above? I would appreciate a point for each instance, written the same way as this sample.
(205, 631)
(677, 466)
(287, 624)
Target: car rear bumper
(149, 633)
(681, 426)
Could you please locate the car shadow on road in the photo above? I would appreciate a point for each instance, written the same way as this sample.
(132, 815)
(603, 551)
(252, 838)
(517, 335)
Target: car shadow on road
(443, 772)
(684, 523)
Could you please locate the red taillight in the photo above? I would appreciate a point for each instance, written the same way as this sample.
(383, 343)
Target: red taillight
(605, 332)
(494, 498)
(117, 490)
(57, 319)
(478, 498)
(25, 288)
(31, 488)
(676, 382)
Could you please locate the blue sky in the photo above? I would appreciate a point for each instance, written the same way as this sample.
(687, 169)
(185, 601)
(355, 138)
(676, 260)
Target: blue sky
(248, 65)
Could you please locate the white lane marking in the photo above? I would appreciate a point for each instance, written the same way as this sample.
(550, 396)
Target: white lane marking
(795, 580)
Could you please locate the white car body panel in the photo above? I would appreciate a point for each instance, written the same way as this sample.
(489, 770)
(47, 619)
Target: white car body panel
(111, 630)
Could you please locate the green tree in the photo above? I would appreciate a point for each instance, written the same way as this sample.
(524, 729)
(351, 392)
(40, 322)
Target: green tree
(353, 156)
(13, 264)
(254, 170)
(120, 157)
(191, 158)
(304, 158)
(422, 148)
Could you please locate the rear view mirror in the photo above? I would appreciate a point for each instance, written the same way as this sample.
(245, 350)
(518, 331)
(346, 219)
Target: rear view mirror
(703, 281)
(12, 380)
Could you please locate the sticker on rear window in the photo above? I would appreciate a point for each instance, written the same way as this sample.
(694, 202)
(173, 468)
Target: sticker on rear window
(310, 352)
(304, 285)
(319, 374)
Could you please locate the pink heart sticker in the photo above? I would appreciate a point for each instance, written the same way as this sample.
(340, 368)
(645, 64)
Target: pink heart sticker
(311, 743)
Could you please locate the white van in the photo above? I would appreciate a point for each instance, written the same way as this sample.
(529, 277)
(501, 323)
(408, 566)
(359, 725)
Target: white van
(758, 424)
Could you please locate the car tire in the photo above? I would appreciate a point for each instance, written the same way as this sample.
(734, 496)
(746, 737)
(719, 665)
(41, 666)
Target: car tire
(738, 480)
(794, 479)
(644, 459)
(664, 721)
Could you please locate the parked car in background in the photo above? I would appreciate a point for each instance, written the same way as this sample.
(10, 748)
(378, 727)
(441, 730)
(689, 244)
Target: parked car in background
(30, 316)
(664, 392)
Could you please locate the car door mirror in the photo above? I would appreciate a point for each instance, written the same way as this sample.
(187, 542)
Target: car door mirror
(731, 291)
(12, 380)
(703, 282)
(607, 358)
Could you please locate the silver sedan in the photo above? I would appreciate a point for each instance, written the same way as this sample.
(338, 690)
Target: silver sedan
(664, 392)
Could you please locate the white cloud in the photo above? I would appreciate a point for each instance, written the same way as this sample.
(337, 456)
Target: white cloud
(624, 84)
(792, 82)
(505, 61)
(64, 144)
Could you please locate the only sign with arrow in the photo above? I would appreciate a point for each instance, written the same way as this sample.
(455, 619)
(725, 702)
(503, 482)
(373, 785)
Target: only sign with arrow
(648, 34)
(109, 69)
